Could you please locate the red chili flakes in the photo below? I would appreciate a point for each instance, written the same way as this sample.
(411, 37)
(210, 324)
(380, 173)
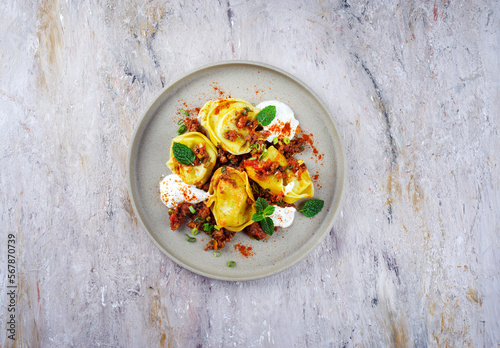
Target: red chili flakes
(218, 90)
(244, 250)
(282, 128)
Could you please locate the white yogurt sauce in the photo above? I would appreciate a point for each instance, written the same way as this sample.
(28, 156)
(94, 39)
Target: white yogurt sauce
(284, 124)
(283, 217)
(289, 187)
(174, 191)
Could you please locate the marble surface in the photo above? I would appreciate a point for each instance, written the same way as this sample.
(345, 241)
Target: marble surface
(414, 255)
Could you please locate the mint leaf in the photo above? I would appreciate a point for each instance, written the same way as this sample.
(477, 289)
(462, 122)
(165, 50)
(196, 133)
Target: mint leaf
(266, 115)
(269, 210)
(261, 204)
(183, 154)
(267, 226)
(258, 216)
(312, 207)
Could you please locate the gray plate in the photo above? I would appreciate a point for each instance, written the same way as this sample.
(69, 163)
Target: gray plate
(149, 151)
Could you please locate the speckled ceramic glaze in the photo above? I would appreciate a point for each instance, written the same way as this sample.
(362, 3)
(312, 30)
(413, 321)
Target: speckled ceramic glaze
(149, 151)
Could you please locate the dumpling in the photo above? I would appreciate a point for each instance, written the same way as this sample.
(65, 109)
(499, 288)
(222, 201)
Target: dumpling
(272, 172)
(227, 123)
(232, 201)
(198, 172)
(273, 161)
(301, 185)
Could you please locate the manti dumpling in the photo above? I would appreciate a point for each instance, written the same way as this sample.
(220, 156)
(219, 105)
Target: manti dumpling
(281, 180)
(198, 172)
(221, 119)
(232, 201)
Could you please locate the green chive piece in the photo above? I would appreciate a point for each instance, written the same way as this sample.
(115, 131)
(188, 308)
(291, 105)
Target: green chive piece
(275, 140)
(181, 121)
(231, 264)
(191, 209)
(190, 239)
(194, 231)
(170, 211)
(217, 253)
(262, 155)
(184, 112)
(252, 158)
(181, 129)
(286, 140)
(217, 228)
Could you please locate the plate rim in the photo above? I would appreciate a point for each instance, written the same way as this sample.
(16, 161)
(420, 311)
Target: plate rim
(336, 203)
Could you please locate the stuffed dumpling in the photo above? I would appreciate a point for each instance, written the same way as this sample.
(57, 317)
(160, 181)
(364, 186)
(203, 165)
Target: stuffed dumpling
(205, 155)
(298, 184)
(273, 172)
(232, 202)
(229, 122)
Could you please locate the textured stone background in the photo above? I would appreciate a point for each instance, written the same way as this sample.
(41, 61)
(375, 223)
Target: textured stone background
(414, 256)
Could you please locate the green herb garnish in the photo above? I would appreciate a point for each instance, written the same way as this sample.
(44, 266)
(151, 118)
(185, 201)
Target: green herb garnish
(312, 207)
(190, 239)
(182, 129)
(183, 154)
(217, 253)
(267, 225)
(207, 227)
(191, 209)
(252, 158)
(275, 140)
(261, 204)
(194, 231)
(198, 219)
(231, 264)
(184, 112)
(217, 228)
(262, 155)
(266, 115)
(181, 121)
(264, 210)
(286, 141)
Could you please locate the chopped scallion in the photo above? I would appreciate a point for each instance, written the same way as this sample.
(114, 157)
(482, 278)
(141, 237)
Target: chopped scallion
(194, 231)
(191, 209)
(181, 129)
(252, 158)
(217, 228)
(190, 239)
(184, 112)
(275, 140)
(181, 121)
(231, 264)
(217, 253)
(286, 141)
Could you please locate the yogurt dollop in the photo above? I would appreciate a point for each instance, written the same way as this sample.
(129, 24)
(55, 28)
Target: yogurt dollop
(283, 217)
(284, 124)
(174, 191)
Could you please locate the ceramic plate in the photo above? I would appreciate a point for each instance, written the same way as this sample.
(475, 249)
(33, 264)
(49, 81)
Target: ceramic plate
(149, 151)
